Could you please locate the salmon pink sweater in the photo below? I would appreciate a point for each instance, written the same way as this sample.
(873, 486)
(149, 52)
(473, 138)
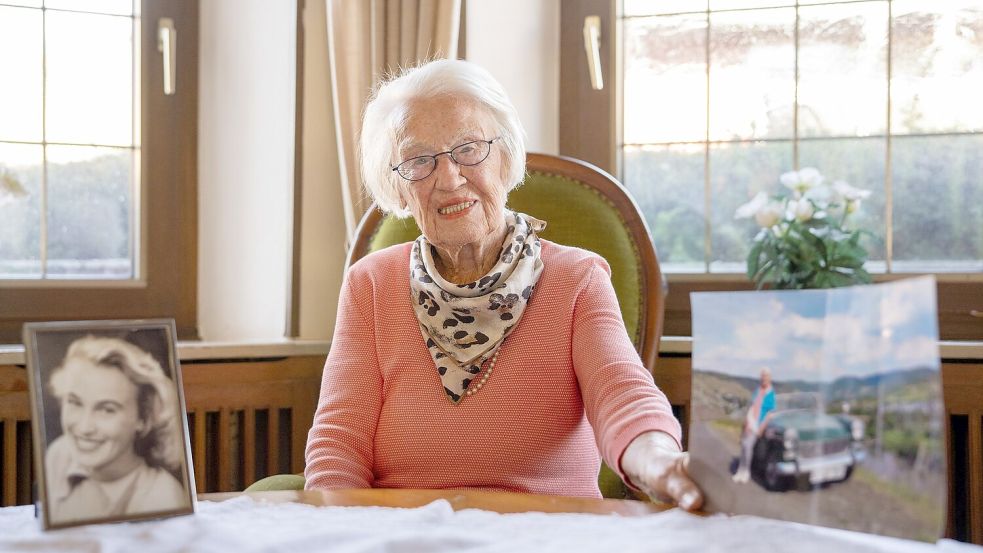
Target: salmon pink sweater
(568, 385)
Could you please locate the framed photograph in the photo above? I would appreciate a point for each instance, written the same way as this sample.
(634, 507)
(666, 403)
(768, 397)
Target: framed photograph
(822, 406)
(108, 420)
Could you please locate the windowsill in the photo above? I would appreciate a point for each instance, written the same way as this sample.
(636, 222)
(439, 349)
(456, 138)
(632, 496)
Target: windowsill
(738, 276)
(198, 351)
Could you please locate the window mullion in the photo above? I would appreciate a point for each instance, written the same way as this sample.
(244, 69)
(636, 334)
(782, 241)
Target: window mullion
(795, 92)
(136, 218)
(707, 200)
(43, 203)
(888, 186)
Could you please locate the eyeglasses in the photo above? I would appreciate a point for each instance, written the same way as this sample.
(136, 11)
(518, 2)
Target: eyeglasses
(467, 154)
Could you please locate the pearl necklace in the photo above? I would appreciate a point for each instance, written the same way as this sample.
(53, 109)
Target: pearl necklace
(472, 390)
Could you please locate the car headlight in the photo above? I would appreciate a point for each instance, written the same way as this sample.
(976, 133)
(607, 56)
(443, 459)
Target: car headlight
(790, 438)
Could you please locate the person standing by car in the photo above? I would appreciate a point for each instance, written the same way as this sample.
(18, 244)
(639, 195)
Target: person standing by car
(762, 406)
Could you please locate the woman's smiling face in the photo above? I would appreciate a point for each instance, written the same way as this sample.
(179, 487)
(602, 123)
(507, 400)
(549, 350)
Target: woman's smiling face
(100, 415)
(456, 205)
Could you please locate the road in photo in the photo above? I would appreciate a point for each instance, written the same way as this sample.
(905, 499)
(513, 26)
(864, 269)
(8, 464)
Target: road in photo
(839, 505)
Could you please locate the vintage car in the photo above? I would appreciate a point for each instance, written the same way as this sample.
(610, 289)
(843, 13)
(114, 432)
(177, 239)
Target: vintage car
(802, 445)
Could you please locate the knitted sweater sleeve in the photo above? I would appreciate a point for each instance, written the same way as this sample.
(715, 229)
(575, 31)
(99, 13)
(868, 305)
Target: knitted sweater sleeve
(340, 451)
(620, 396)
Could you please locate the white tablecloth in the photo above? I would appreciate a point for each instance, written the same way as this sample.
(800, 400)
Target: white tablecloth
(244, 525)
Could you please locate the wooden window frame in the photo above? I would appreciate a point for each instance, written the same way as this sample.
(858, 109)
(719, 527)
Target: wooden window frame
(590, 130)
(169, 235)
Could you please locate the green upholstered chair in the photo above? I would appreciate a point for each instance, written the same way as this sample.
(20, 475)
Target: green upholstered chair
(575, 199)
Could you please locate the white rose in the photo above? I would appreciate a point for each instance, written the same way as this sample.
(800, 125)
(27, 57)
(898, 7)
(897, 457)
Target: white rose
(802, 180)
(769, 215)
(802, 210)
(751, 208)
(850, 195)
(848, 192)
(820, 195)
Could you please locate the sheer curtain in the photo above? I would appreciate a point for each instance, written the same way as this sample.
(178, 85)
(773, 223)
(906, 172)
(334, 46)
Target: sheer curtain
(368, 40)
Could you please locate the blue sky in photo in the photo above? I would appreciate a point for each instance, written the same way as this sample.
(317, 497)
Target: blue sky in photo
(817, 335)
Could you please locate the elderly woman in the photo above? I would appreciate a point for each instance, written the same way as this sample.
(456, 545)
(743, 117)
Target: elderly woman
(120, 449)
(480, 355)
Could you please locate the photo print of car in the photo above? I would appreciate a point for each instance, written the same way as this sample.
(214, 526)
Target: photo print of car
(821, 406)
(802, 445)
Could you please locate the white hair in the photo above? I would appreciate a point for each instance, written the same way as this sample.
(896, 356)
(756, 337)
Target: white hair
(385, 116)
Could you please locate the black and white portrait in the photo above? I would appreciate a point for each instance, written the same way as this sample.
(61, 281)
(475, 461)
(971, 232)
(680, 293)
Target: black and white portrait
(108, 416)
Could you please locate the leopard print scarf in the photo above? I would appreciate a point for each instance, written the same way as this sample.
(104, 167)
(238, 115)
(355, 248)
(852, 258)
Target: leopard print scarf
(465, 324)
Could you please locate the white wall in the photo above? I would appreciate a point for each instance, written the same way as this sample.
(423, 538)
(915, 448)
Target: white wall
(245, 167)
(519, 42)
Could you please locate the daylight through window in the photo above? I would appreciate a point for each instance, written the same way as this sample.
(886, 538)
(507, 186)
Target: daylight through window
(720, 97)
(69, 139)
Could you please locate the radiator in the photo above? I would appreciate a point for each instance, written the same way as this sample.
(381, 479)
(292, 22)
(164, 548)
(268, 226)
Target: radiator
(246, 420)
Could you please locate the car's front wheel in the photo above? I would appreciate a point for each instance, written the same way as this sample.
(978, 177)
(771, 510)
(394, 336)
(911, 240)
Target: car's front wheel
(774, 480)
(846, 476)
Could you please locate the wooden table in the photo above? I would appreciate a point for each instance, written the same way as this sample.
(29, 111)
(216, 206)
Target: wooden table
(500, 502)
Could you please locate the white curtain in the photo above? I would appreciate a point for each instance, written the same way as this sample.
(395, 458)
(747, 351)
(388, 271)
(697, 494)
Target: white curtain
(367, 40)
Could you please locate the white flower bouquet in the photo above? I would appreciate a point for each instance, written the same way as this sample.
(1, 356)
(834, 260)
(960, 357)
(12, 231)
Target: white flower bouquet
(802, 242)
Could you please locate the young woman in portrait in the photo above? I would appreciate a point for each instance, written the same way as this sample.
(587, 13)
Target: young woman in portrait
(119, 453)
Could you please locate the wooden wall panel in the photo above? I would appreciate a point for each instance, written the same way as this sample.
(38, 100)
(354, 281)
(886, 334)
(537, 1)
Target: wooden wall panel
(962, 384)
(14, 408)
(249, 400)
(672, 376)
(9, 483)
(236, 393)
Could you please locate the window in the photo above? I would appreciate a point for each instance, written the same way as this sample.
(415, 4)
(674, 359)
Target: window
(717, 98)
(97, 164)
(70, 152)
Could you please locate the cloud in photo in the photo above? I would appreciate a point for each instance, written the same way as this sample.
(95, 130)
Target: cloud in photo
(817, 335)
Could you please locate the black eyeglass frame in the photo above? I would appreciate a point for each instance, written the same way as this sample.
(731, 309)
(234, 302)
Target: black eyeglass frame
(449, 153)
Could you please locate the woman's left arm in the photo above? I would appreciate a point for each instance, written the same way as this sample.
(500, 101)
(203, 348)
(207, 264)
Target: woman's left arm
(633, 422)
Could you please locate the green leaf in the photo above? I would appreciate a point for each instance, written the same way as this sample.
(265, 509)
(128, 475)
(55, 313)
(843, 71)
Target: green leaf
(763, 269)
(838, 279)
(769, 276)
(754, 259)
(846, 261)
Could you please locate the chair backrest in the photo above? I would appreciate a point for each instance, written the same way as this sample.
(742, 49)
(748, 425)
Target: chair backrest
(585, 207)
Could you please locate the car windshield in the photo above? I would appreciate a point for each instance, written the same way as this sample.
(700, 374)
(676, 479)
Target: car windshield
(811, 425)
(798, 401)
